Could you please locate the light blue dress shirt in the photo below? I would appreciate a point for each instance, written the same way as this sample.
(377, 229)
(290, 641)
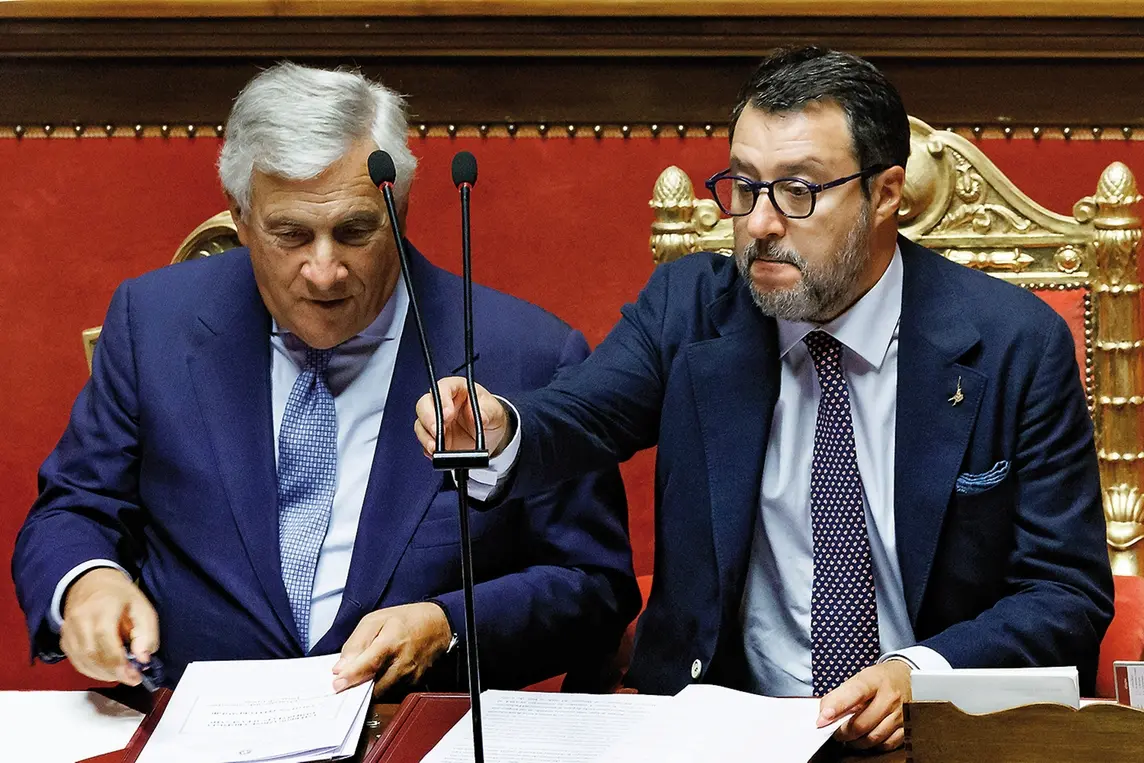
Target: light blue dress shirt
(776, 603)
(359, 376)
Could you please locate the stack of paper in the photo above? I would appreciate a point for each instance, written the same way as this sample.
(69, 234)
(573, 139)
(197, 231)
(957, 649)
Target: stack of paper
(701, 723)
(988, 690)
(280, 710)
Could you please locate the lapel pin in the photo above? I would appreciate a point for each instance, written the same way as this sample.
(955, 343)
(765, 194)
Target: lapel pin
(957, 395)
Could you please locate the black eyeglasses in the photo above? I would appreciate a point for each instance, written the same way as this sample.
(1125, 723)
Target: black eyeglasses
(793, 198)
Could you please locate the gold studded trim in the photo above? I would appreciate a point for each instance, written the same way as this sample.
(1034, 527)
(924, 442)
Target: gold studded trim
(558, 129)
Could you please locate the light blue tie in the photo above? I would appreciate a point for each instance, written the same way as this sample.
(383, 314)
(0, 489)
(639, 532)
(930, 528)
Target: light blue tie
(307, 475)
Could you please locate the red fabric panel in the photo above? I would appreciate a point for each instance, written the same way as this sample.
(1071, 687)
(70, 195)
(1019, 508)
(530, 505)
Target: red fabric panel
(1125, 637)
(1070, 304)
(1057, 173)
(560, 221)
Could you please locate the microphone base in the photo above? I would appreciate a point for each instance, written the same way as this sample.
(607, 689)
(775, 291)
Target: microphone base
(460, 459)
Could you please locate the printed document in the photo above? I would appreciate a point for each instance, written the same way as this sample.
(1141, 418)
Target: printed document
(701, 723)
(539, 727)
(259, 710)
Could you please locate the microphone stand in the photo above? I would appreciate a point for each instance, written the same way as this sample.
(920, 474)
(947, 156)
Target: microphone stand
(457, 462)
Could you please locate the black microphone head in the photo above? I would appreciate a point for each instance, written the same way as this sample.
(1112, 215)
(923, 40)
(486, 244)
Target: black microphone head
(464, 169)
(381, 169)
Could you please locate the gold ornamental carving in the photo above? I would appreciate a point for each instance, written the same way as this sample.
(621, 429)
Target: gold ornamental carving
(958, 203)
(681, 219)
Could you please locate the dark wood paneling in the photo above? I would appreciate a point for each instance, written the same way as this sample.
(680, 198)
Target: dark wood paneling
(632, 8)
(618, 70)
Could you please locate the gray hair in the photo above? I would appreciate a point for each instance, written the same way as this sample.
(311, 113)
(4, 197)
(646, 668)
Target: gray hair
(294, 121)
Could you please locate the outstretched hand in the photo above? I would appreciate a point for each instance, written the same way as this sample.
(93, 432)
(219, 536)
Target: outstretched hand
(874, 700)
(393, 647)
(103, 611)
(457, 413)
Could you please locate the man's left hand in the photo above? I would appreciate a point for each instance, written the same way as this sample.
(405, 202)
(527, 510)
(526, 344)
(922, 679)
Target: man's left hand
(393, 646)
(875, 697)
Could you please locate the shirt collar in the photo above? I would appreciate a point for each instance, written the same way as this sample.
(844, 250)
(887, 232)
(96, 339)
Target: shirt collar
(385, 326)
(868, 327)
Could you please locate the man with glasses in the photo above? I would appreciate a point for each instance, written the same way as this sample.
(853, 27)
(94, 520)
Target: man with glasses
(870, 459)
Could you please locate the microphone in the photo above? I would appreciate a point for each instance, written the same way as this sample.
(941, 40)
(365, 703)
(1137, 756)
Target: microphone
(383, 173)
(465, 177)
(464, 169)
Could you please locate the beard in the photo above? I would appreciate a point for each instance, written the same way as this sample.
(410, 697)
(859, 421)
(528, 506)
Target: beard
(824, 290)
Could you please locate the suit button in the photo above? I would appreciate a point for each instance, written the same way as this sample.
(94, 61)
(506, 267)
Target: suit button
(696, 669)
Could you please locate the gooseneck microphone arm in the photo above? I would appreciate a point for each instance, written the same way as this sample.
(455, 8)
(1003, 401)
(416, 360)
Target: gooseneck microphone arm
(383, 173)
(465, 177)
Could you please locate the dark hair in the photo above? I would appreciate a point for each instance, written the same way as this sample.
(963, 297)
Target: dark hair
(790, 78)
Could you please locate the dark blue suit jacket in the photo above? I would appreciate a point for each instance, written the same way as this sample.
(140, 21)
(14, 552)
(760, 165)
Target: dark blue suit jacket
(1015, 575)
(167, 467)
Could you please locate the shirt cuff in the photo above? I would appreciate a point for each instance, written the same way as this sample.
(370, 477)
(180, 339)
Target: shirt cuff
(918, 658)
(55, 615)
(484, 482)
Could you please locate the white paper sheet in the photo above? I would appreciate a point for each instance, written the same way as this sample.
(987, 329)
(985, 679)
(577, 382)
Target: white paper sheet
(701, 723)
(707, 723)
(981, 690)
(281, 710)
(537, 727)
(63, 726)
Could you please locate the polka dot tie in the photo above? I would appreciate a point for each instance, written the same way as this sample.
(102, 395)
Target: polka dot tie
(843, 608)
(307, 475)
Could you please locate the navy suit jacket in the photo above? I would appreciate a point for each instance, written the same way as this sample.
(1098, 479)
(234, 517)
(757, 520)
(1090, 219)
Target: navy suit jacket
(167, 467)
(1014, 575)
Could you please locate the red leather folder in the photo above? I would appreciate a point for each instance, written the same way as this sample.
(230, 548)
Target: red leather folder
(419, 724)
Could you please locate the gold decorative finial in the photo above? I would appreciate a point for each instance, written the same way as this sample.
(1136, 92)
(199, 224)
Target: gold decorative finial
(673, 190)
(1117, 187)
(673, 199)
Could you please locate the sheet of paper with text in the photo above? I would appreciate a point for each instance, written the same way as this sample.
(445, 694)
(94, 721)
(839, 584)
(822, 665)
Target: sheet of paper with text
(281, 710)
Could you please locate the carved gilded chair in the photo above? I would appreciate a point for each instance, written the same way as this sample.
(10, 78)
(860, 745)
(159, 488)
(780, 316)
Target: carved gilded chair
(958, 203)
(215, 235)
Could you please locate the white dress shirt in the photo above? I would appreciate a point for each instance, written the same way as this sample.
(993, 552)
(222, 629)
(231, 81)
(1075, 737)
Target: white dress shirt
(359, 376)
(776, 603)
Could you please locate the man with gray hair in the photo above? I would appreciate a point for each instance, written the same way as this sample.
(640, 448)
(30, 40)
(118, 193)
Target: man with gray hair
(232, 483)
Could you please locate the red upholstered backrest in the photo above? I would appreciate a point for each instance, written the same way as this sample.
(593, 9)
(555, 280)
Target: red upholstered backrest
(560, 221)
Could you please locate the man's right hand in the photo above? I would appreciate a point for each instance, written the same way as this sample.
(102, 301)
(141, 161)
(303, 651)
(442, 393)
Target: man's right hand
(458, 418)
(102, 611)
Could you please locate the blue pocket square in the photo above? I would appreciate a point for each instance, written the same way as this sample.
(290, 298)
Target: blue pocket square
(972, 484)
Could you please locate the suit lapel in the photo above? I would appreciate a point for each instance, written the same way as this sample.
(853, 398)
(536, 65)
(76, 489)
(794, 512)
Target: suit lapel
(735, 383)
(402, 482)
(938, 400)
(230, 371)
